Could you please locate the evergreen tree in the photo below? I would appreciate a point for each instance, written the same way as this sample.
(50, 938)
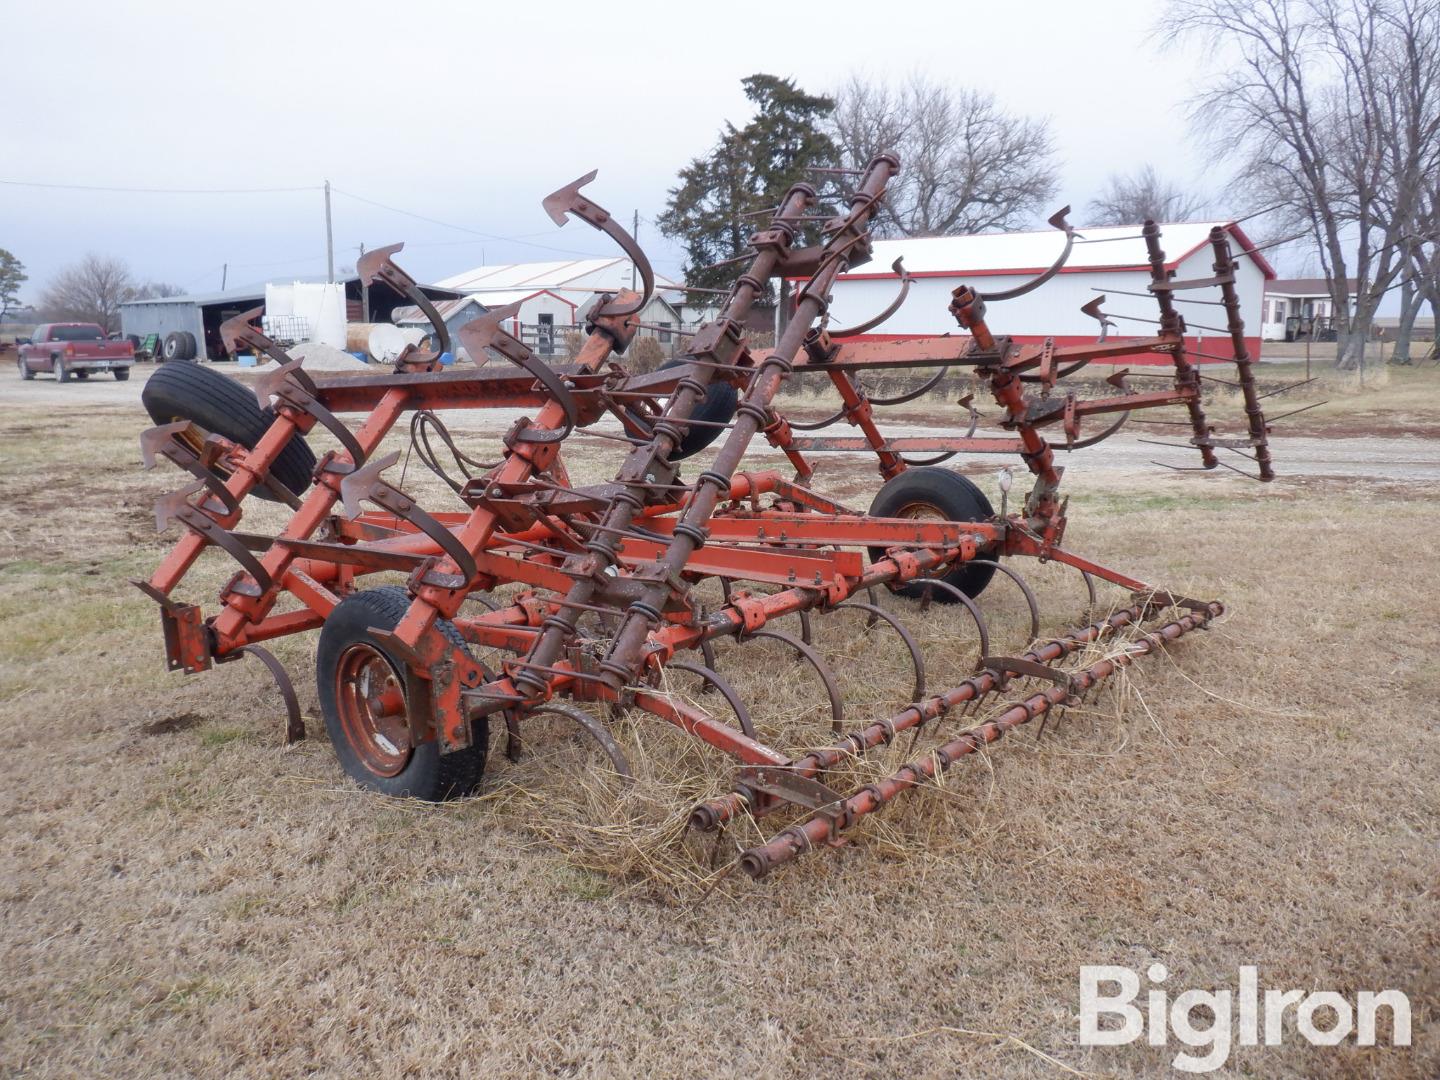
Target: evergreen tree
(713, 208)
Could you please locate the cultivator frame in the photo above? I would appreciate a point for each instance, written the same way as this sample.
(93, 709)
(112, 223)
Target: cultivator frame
(631, 551)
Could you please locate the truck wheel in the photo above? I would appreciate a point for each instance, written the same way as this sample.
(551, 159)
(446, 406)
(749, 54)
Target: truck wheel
(928, 492)
(121, 373)
(82, 374)
(179, 345)
(62, 373)
(225, 407)
(362, 694)
(25, 372)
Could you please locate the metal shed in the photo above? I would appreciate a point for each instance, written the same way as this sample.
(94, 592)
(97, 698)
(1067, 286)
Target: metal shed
(202, 313)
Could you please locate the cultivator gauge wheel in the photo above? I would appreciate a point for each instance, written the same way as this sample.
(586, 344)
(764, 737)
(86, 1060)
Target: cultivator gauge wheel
(607, 599)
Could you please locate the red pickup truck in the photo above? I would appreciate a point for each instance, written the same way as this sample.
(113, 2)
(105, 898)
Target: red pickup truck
(73, 349)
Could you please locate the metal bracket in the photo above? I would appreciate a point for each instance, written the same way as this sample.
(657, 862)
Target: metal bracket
(1005, 666)
(792, 787)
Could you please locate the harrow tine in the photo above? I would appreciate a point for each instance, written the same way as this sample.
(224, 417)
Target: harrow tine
(1030, 601)
(1056, 220)
(366, 483)
(713, 680)
(294, 722)
(813, 658)
(1287, 389)
(898, 266)
(874, 614)
(176, 506)
(165, 440)
(592, 727)
(568, 200)
(485, 333)
(961, 598)
(377, 265)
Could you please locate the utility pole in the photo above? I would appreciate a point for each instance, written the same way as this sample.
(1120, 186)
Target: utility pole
(224, 275)
(329, 239)
(364, 293)
(635, 232)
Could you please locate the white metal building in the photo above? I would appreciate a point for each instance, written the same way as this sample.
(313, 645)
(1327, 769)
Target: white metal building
(1110, 260)
(560, 294)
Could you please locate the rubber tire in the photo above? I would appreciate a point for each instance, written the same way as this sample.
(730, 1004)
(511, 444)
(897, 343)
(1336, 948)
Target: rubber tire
(120, 373)
(190, 350)
(430, 775)
(718, 407)
(25, 372)
(225, 407)
(956, 498)
(173, 347)
(62, 373)
(82, 374)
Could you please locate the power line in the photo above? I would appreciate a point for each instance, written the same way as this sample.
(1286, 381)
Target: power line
(159, 191)
(466, 228)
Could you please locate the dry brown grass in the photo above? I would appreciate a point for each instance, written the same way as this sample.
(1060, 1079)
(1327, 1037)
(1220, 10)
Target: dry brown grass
(181, 896)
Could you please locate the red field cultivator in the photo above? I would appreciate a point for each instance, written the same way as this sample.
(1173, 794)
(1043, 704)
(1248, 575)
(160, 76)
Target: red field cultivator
(590, 591)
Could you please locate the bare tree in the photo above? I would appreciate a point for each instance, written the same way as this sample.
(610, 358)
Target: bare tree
(1142, 196)
(1333, 107)
(967, 164)
(91, 290)
(1421, 283)
(160, 290)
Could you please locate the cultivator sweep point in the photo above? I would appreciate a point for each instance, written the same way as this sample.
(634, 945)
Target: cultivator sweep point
(406, 700)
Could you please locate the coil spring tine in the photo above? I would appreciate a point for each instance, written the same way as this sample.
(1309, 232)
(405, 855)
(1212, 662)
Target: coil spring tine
(1030, 601)
(874, 614)
(810, 656)
(714, 681)
(961, 598)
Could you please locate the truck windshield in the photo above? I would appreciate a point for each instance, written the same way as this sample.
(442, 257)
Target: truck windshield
(83, 332)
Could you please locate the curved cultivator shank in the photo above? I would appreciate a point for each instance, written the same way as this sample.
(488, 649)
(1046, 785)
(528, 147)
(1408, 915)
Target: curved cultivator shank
(632, 553)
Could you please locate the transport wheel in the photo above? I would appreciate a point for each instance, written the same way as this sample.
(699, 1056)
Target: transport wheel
(941, 495)
(362, 694)
(25, 372)
(82, 374)
(190, 351)
(121, 373)
(62, 373)
(717, 408)
(221, 405)
(173, 347)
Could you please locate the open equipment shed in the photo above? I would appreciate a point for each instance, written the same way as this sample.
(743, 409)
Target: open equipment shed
(202, 314)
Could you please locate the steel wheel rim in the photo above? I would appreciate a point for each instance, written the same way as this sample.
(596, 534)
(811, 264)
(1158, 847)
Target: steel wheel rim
(371, 707)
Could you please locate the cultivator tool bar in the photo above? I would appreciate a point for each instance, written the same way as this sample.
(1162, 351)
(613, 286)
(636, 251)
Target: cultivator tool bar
(591, 593)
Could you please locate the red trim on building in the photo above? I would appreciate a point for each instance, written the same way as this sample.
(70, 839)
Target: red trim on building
(1217, 347)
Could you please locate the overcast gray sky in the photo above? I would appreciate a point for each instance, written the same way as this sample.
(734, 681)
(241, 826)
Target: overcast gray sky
(470, 113)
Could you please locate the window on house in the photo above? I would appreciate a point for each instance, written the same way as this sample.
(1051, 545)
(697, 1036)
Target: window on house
(664, 332)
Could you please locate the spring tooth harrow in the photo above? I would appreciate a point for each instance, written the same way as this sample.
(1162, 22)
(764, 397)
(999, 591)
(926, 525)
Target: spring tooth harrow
(406, 703)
